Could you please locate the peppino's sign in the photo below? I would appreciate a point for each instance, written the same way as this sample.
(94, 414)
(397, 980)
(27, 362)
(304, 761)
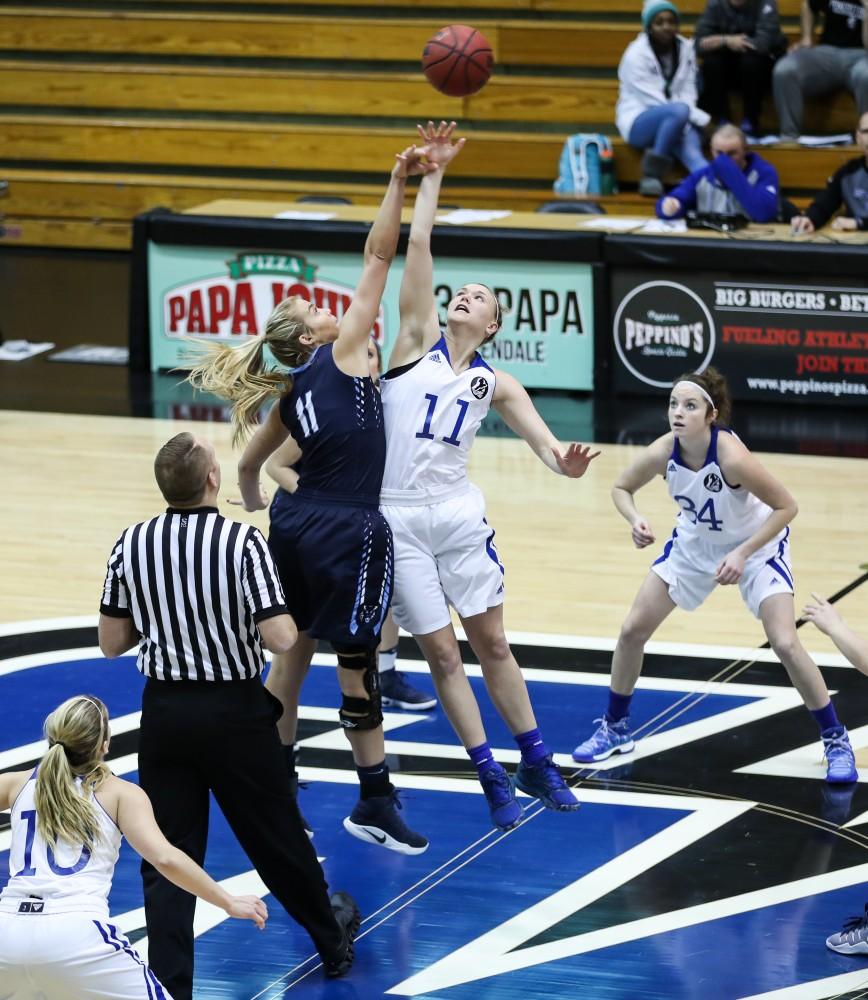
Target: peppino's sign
(784, 342)
(661, 330)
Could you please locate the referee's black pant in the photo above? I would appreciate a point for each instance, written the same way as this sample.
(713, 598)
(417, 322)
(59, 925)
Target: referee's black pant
(201, 736)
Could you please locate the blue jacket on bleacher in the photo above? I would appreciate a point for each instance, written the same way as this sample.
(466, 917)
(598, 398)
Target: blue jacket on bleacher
(722, 188)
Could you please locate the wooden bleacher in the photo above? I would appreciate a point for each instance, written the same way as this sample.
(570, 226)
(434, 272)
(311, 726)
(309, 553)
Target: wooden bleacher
(107, 109)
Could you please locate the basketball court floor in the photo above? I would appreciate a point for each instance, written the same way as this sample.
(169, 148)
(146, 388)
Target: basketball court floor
(711, 862)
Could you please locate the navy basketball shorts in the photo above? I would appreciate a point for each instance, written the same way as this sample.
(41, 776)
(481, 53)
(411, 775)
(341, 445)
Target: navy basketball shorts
(336, 565)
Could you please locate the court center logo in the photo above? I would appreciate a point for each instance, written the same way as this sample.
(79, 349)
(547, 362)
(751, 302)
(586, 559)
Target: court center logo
(661, 330)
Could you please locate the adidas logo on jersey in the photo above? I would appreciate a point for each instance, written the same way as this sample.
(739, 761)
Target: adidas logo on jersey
(31, 907)
(435, 357)
(671, 467)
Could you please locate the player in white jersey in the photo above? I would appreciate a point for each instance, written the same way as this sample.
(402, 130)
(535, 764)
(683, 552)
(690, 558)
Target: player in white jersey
(68, 818)
(435, 395)
(732, 527)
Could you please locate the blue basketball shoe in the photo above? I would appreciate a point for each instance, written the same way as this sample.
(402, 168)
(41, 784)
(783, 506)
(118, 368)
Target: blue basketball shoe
(397, 692)
(608, 738)
(545, 782)
(840, 760)
(852, 939)
(502, 804)
(376, 821)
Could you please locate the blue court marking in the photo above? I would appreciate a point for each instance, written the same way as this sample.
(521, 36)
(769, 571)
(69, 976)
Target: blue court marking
(37, 691)
(565, 712)
(767, 949)
(518, 871)
(233, 960)
(785, 942)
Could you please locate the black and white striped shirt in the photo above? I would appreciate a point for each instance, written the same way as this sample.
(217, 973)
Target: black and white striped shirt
(195, 584)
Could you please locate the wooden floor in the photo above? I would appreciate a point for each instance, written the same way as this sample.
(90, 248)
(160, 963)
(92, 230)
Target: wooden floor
(72, 483)
(712, 854)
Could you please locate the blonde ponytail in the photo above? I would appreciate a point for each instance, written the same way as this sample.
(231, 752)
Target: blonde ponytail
(75, 732)
(240, 375)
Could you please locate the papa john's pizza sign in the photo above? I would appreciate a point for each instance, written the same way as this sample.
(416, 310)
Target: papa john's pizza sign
(235, 303)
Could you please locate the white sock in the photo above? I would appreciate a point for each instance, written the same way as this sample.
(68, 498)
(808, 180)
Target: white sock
(387, 659)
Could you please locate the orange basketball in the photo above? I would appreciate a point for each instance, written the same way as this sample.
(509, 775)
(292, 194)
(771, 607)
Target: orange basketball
(458, 60)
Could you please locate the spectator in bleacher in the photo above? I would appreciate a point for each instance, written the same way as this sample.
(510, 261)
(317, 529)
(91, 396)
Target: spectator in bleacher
(847, 186)
(737, 42)
(656, 109)
(736, 182)
(838, 62)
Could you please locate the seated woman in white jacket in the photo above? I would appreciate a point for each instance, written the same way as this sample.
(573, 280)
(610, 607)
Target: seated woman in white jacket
(656, 109)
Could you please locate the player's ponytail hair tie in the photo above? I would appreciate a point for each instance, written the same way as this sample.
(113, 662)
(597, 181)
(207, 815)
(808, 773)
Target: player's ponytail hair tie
(690, 384)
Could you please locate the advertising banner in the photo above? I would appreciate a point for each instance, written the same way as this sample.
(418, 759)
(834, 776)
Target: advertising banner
(221, 295)
(799, 341)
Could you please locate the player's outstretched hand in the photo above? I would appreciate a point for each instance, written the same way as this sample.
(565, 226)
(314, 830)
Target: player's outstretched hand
(730, 568)
(410, 163)
(248, 908)
(575, 460)
(439, 148)
(822, 614)
(642, 534)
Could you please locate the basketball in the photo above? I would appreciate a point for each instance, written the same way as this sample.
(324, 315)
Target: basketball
(458, 60)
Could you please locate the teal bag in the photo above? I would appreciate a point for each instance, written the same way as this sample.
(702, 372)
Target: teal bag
(579, 167)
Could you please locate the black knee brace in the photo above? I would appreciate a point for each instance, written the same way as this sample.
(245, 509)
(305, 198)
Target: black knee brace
(361, 713)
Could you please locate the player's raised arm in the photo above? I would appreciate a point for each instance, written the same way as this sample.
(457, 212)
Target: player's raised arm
(420, 327)
(380, 248)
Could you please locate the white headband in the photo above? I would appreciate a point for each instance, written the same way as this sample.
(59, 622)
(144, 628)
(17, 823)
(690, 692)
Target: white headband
(698, 387)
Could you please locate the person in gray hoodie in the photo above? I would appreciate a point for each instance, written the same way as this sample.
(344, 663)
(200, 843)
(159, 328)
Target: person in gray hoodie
(737, 42)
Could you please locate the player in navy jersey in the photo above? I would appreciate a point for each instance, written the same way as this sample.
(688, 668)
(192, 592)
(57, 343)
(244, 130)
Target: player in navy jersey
(288, 670)
(435, 395)
(331, 545)
(69, 816)
(732, 528)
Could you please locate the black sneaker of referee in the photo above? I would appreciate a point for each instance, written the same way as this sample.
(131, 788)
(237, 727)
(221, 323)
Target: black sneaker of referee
(349, 919)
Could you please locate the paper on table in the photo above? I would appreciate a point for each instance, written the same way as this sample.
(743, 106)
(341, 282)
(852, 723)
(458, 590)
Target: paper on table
(612, 225)
(664, 226)
(93, 354)
(314, 216)
(825, 140)
(460, 216)
(20, 350)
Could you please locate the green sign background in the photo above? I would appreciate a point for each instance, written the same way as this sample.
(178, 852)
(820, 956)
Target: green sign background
(547, 338)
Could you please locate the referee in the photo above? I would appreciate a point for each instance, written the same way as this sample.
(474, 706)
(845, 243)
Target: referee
(200, 596)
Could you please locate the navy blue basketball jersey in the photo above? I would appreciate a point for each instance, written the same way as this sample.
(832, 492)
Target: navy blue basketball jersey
(337, 421)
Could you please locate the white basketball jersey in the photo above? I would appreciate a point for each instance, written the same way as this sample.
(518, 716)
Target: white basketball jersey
(712, 511)
(70, 871)
(431, 417)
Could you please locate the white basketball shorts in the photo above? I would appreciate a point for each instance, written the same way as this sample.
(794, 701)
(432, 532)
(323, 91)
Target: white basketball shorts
(688, 570)
(444, 554)
(70, 956)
